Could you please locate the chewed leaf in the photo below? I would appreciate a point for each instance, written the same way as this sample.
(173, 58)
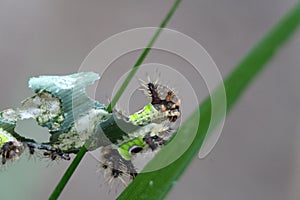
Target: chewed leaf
(62, 105)
(72, 116)
(70, 90)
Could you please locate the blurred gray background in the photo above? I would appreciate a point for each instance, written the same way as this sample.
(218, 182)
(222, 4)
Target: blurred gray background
(257, 156)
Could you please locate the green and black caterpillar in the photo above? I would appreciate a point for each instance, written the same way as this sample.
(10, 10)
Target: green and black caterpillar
(74, 120)
(154, 133)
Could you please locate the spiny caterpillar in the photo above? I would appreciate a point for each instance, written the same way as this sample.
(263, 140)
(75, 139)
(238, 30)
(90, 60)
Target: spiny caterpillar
(74, 120)
(154, 133)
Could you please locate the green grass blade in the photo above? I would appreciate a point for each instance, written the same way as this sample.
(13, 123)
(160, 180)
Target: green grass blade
(156, 185)
(71, 169)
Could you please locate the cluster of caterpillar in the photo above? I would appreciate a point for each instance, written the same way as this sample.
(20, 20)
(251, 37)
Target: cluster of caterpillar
(152, 129)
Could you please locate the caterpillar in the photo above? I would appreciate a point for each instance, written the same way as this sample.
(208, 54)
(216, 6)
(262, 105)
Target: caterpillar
(74, 120)
(153, 135)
